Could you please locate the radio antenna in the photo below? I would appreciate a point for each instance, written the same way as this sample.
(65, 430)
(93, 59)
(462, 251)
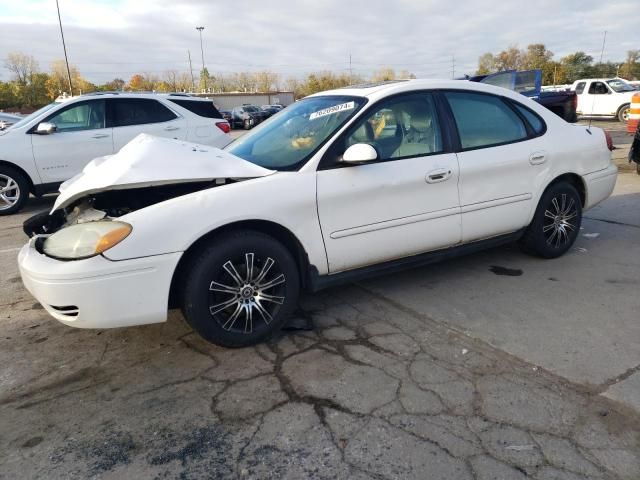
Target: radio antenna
(593, 105)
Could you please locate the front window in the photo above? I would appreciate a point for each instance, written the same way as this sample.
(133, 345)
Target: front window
(35, 114)
(618, 85)
(81, 116)
(287, 140)
(406, 126)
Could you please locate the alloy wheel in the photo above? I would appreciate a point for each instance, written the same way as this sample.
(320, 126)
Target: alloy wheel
(246, 290)
(560, 220)
(9, 192)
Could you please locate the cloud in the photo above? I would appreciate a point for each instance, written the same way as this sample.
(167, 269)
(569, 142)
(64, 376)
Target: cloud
(117, 38)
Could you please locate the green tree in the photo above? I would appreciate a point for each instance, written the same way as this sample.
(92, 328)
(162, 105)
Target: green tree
(486, 64)
(574, 66)
(631, 67)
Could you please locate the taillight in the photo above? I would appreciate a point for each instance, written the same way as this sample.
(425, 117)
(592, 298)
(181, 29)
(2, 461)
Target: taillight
(609, 141)
(224, 126)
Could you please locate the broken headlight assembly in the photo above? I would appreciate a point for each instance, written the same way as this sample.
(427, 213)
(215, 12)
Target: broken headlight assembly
(84, 240)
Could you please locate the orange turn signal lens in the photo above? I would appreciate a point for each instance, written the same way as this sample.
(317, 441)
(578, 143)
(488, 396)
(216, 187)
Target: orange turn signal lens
(113, 237)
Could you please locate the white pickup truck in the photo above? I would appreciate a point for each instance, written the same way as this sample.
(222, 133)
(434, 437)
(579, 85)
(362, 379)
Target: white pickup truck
(604, 97)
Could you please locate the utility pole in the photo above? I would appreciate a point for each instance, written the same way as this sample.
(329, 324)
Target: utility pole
(350, 71)
(453, 66)
(64, 47)
(200, 29)
(193, 85)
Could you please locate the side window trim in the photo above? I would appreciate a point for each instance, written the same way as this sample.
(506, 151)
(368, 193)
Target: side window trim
(505, 100)
(328, 159)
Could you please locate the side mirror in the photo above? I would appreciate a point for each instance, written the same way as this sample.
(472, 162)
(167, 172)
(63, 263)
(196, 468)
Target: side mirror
(360, 153)
(45, 128)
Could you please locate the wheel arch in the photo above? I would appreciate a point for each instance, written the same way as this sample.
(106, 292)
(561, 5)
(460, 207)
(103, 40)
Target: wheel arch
(4, 163)
(574, 179)
(273, 229)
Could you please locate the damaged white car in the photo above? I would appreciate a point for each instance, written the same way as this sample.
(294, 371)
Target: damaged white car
(342, 184)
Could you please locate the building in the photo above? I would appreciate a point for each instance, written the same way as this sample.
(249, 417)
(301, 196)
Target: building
(226, 101)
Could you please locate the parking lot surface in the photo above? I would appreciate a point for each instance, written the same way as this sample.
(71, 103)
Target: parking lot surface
(492, 366)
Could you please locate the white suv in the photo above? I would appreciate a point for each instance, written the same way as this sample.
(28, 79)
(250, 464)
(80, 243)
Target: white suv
(56, 142)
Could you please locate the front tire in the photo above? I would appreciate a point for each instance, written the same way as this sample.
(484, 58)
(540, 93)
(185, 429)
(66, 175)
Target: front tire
(240, 289)
(623, 113)
(555, 224)
(14, 190)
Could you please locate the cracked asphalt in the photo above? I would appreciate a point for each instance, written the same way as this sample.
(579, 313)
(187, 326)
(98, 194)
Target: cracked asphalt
(392, 382)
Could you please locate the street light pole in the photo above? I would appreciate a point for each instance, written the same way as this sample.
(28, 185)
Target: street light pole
(200, 29)
(64, 47)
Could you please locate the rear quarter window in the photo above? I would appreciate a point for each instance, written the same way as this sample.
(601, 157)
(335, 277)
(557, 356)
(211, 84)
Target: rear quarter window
(535, 122)
(200, 108)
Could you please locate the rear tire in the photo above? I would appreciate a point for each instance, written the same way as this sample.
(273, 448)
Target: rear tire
(556, 223)
(240, 289)
(623, 113)
(14, 190)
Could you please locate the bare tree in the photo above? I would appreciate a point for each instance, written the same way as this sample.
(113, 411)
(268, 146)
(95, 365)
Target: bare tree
(22, 66)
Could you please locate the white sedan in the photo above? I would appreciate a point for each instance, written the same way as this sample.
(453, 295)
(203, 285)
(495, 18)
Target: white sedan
(342, 184)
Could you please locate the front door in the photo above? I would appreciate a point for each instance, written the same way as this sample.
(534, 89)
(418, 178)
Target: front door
(80, 137)
(402, 204)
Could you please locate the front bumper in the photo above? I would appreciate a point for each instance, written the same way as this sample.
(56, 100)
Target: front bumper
(97, 292)
(600, 185)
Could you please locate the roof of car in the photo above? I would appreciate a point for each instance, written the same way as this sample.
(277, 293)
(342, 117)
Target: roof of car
(385, 88)
(170, 95)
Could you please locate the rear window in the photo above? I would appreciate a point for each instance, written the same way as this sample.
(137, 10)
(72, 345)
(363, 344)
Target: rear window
(534, 120)
(139, 111)
(200, 108)
(484, 120)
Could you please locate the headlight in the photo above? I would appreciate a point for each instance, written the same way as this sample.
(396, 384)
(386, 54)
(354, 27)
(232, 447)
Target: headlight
(85, 240)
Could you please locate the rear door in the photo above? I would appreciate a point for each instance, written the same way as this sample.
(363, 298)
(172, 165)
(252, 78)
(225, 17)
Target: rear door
(203, 121)
(503, 157)
(133, 116)
(81, 135)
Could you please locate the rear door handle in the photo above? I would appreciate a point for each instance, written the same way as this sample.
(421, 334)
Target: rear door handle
(438, 175)
(171, 129)
(537, 158)
(100, 135)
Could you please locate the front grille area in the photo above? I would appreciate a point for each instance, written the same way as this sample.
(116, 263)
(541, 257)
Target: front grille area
(66, 310)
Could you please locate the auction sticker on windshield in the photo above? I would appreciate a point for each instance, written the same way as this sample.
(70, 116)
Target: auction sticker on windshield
(331, 110)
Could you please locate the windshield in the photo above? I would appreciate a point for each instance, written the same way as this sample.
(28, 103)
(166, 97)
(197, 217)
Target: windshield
(28, 118)
(250, 108)
(618, 85)
(287, 140)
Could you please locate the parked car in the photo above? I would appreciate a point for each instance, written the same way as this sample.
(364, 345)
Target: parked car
(55, 143)
(340, 185)
(247, 116)
(8, 119)
(275, 105)
(270, 111)
(604, 97)
(529, 83)
(226, 114)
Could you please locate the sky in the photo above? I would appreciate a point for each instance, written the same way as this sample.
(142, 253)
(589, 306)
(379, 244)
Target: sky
(118, 38)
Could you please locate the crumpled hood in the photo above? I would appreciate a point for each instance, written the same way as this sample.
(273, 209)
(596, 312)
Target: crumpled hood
(150, 161)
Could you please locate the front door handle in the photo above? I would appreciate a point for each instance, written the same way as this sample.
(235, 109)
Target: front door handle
(171, 129)
(100, 135)
(537, 158)
(438, 175)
